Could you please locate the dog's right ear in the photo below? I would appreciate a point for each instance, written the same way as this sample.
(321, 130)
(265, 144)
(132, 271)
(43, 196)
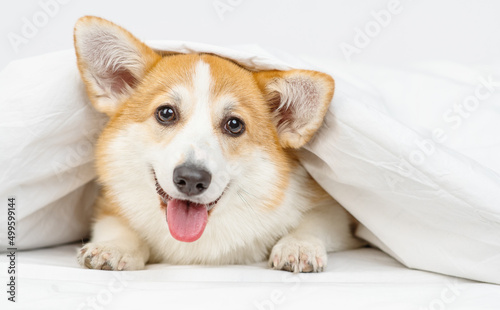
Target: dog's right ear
(111, 61)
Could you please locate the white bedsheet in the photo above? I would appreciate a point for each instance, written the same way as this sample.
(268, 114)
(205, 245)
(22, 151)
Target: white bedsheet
(359, 279)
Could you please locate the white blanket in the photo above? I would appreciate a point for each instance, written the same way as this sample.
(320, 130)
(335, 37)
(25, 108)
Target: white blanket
(423, 179)
(432, 205)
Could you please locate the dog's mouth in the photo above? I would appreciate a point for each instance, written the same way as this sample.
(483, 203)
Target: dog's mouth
(186, 219)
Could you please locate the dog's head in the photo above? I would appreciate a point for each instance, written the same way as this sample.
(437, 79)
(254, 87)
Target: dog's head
(194, 130)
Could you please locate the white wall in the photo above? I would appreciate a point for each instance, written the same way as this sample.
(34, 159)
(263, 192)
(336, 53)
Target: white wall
(462, 31)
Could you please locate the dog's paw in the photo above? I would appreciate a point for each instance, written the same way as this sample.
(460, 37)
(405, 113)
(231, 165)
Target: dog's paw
(106, 256)
(298, 255)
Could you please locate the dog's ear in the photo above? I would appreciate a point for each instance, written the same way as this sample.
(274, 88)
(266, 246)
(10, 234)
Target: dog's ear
(298, 100)
(111, 61)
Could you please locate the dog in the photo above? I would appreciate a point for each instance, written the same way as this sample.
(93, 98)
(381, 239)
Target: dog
(198, 162)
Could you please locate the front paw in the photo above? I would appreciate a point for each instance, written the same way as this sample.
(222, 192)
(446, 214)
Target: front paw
(106, 256)
(298, 255)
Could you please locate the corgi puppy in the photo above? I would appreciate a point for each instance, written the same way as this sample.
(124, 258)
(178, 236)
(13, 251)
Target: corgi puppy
(198, 161)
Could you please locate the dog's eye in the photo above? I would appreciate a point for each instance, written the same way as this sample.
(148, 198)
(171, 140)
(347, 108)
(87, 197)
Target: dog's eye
(166, 114)
(234, 126)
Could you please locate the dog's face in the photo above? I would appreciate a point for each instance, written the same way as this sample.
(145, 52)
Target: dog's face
(194, 131)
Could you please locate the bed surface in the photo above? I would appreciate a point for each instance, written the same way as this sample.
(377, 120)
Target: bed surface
(360, 279)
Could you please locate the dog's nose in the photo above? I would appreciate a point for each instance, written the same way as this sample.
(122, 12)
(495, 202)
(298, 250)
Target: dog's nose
(191, 180)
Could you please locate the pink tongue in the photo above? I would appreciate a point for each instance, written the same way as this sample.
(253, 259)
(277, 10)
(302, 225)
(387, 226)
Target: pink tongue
(186, 220)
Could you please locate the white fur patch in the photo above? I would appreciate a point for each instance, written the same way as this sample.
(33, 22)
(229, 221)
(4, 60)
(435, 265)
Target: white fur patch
(202, 82)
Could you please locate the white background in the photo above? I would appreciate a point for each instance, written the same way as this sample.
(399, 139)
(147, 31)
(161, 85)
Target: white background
(464, 32)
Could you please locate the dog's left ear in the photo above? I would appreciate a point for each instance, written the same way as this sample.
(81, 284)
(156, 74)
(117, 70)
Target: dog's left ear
(299, 100)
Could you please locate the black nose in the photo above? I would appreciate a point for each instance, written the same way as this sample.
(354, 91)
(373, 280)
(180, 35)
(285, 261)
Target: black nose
(191, 180)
